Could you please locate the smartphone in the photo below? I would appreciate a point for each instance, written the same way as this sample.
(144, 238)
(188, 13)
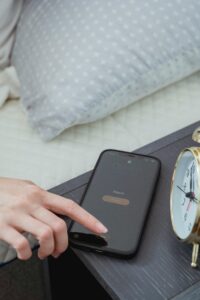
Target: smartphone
(119, 194)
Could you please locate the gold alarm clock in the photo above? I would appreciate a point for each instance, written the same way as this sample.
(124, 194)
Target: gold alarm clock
(185, 197)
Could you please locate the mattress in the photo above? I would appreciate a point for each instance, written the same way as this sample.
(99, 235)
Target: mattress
(24, 155)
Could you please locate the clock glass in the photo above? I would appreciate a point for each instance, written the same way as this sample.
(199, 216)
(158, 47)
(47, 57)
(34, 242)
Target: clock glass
(185, 194)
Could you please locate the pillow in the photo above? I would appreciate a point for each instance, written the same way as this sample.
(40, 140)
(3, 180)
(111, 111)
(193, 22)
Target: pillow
(9, 15)
(79, 61)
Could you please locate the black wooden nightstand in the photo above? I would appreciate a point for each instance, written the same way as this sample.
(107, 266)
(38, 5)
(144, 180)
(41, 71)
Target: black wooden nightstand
(161, 268)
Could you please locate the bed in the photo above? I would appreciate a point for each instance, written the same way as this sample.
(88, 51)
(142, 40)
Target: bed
(24, 155)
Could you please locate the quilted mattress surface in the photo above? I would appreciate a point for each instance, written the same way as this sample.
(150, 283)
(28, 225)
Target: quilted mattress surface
(24, 155)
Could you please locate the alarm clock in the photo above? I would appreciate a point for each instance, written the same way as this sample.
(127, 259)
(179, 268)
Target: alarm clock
(185, 197)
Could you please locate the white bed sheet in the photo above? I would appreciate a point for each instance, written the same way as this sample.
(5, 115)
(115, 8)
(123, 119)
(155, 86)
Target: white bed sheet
(24, 155)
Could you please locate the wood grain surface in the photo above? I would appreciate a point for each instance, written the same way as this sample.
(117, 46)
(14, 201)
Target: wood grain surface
(161, 268)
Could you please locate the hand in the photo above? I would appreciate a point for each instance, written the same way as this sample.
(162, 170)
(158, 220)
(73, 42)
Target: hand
(25, 207)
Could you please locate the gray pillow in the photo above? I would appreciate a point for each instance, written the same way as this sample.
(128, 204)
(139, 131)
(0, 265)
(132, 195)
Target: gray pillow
(79, 61)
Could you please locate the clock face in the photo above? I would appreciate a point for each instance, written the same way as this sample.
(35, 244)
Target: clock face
(185, 195)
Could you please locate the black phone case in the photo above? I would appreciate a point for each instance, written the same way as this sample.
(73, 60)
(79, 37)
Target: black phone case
(120, 254)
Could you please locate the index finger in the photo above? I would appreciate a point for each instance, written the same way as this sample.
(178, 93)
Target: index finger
(68, 207)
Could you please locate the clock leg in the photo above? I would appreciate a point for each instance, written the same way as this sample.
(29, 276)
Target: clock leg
(195, 252)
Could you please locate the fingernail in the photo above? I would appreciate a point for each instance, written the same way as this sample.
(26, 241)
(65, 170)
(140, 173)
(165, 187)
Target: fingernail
(55, 255)
(41, 257)
(101, 228)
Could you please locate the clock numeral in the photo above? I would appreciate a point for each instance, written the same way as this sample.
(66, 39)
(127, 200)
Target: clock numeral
(183, 203)
(187, 172)
(184, 186)
(193, 168)
(185, 216)
(189, 226)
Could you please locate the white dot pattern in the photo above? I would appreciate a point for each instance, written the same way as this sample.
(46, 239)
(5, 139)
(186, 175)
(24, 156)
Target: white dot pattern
(79, 61)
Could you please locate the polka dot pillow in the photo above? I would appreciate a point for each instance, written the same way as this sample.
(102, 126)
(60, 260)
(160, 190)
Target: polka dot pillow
(79, 61)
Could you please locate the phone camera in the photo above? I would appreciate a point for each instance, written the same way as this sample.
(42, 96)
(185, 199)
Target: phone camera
(129, 161)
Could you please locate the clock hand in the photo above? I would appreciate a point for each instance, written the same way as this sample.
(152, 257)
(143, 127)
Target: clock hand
(190, 195)
(191, 180)
(188, 207)
(187, 195)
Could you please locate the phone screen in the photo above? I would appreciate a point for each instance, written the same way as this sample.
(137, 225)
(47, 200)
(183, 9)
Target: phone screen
(118, 194)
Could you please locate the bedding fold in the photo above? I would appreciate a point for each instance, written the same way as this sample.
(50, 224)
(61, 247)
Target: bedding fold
(9, 84)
